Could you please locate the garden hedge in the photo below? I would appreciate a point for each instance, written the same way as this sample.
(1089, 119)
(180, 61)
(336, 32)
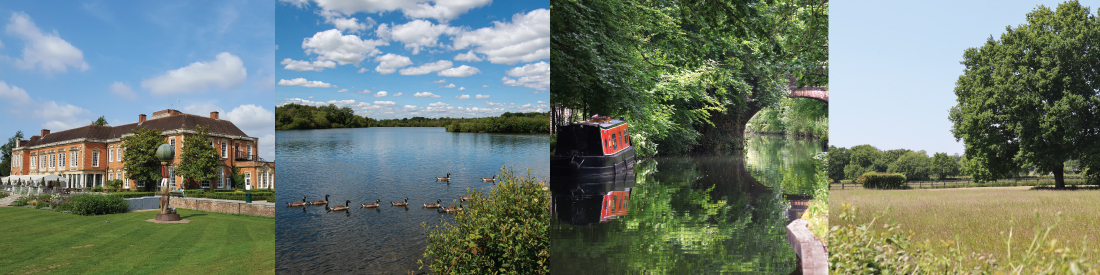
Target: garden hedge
(88, 205)
(875, 180)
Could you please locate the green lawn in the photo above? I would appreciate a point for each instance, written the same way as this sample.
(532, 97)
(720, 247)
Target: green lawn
(978, 215)
(40, 241)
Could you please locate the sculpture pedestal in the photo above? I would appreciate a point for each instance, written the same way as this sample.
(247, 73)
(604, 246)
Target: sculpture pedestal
(168, 217)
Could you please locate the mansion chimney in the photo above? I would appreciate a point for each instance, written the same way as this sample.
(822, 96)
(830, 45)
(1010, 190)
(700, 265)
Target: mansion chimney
(45, 132)
(141, 118)
(214, 115)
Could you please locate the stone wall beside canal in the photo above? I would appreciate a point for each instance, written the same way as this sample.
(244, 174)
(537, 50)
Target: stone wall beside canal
(266, 209)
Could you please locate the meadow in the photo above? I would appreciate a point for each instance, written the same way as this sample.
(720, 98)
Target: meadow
(38, 241)
(977, 216)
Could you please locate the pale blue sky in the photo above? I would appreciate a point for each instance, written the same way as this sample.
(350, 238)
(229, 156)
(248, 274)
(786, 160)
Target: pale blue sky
(894, 65)
(65, 63)
(396, 59)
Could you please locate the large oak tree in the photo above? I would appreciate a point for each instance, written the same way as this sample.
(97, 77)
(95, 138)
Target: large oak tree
(140, 158)
(1031, 97)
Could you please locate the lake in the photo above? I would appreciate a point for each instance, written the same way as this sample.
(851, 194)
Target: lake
(688, 215)
(390, 164)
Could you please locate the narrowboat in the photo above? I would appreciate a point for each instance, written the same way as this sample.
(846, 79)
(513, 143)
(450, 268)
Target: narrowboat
(598, 147)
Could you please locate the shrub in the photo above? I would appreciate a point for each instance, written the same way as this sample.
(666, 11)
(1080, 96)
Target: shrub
(63, 206)
(88, 205)
(127, 195)
(505, 231)
(882, 180)
(97, 189)
(22, 201)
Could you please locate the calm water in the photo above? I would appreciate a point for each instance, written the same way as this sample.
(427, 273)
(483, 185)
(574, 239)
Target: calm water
(390, 164)
(687, 215)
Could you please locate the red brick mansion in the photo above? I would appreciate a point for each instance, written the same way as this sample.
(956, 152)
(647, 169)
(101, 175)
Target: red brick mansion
(90, 155)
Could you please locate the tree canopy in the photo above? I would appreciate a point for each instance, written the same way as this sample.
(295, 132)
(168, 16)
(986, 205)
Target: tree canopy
(102, 121)
(1031, 98)
(5, 158)
(198, 161)
(678, 69)
(140, 158)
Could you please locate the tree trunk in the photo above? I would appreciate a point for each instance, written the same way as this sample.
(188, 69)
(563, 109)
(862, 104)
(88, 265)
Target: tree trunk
(1059, 181)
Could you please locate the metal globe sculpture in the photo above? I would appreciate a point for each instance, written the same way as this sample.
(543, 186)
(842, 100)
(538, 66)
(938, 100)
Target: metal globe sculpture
(165, 153)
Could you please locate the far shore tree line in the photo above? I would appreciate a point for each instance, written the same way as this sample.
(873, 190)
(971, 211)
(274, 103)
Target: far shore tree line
(304, 117)
(849, 164)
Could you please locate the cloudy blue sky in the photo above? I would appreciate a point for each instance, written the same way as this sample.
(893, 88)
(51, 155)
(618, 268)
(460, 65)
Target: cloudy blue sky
(65, 63)
(396, 59)
(893, 66)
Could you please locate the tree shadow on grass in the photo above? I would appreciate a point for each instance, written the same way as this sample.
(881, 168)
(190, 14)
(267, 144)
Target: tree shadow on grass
(192, 215)
(1068, 188)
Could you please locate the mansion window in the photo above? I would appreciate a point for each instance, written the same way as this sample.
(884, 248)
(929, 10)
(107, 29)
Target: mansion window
(250, 151)
(53, 160)
(73, 159)
(247, 178)
(60, 160)
(172, 141)
(118, 154)
(109, 155)
(34, 160)
(109, 178)
(172, 176)
(95, 159)
(225, 150)
(221, 176)
(206, 184)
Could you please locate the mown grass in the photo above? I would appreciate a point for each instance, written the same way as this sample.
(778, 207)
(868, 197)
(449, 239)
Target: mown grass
(977, 215)
(38, 241)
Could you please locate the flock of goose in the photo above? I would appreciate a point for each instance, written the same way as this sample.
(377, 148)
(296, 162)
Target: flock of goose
(405, 203)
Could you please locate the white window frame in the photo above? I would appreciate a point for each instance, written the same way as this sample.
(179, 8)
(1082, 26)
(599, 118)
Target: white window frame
(205, 184)
(225, 150)
(73, 159)
(109, 176)
(221, 176)
(34, 161)
(118, 154)
(53, 161)
(249, 151)
(95, 159)
(172, 141)
(109, 159)
(247, 178)
(61, 160)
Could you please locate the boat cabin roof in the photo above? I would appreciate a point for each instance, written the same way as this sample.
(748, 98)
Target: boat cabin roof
(604, 122)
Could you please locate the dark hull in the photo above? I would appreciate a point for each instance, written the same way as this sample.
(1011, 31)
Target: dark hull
(582, 167)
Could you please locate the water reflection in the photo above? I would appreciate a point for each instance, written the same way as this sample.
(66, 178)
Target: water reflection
(708, 214)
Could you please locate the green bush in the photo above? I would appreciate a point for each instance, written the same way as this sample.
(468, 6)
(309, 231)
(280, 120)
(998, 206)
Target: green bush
(875, 180)
(22, 201)
(505, 231)
(64, 206)
(88, 205)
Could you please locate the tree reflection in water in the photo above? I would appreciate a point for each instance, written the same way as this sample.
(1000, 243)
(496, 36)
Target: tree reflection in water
(710, 214)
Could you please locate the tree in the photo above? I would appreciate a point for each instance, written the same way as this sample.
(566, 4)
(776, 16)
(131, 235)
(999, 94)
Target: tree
(236, 177)
(1029, 99)
(944, 165)
(140, 156)
(853, 171)
(198, 161)
(868, 157)
(101, 121)
(687, 74)
(915, 166)
(838, 158)
(5, 159)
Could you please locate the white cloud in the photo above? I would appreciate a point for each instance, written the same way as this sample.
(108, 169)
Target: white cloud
(305, 83)
(226, 71)
(397, 94)
(438, 104)
(535, 76)
(390, 62)
(541, 102)
(425, 94)
(460, 71)
(427, 68)
(461, 88)
(381, 94)
(462, 97)
(469, 56)
(45, 51)
(350, 25)
(385, 103)
(344, 49)
(442, 10)
(490, 103)
(481, 96)
(362, 70)
(14, 95)
(342, 90)
(525, 39)
(60, 117)
(301, 65)
(452, 85)
(440, 81)
(485, 86)
(350, 103)
(252, 119)
(310, 97)
(296, 3)
(418, 34)
(411, 107)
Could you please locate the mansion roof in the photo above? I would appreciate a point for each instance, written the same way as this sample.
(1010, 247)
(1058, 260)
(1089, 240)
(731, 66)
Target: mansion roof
(176, 121)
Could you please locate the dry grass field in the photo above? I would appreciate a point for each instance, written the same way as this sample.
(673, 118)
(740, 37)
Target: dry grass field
(979, 215)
